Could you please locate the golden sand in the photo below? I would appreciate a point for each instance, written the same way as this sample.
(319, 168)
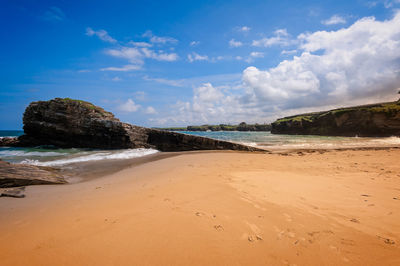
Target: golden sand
(217, 208)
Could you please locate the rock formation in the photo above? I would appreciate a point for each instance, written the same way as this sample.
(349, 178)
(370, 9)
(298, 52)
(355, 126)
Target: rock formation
(16, 175)
(74, 123)
(8, 141)
(375, 120)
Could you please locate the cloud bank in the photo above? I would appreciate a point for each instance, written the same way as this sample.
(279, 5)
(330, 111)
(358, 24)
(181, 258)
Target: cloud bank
(354, 65)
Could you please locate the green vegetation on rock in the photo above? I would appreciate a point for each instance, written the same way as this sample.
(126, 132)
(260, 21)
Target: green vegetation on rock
(381, 119)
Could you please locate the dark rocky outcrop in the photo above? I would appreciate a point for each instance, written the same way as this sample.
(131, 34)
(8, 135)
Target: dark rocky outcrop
(9, 141)
(16, 175)
(74, 123)
(375, 120)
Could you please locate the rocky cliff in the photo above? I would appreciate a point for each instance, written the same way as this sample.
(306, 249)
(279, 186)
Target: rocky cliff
(74, 123)
(375, 120)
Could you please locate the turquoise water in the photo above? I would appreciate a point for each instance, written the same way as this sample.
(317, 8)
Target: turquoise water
(276, 142)
(46, 156)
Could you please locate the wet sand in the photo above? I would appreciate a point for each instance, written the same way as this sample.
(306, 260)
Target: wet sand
(215, 208)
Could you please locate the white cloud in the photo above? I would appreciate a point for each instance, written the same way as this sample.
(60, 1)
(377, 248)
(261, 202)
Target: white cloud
(159, 40)
(122, 69)
(288, 52)
(150, 110)
(140, 44)
(335, 19)
(132, 54)
(252, 56)
(244, 29)
(390, 3)
(54, 14)
(129, 106)
(233, 43)
(140, 95)
(160, 55)
(194, 43)
(116, 79)
(281, 37)
(136, 57)
(196, 57)
(206, 94)
(170, 82)
(359, 64)
(355, 63)
(101, 34)
(257, 54)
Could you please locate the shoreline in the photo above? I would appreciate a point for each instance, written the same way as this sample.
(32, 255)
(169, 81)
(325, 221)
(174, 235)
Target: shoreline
(86, 171)
(226, 208)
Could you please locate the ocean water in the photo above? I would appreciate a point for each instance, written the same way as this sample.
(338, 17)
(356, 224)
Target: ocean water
(10, 133)
(47, 156)
(278, 142)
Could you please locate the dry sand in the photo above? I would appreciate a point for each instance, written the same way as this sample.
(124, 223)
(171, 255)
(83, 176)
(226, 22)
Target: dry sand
(218, 208)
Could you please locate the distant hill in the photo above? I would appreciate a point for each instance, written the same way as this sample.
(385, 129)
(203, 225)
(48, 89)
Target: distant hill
(222, 127)
(373, 120)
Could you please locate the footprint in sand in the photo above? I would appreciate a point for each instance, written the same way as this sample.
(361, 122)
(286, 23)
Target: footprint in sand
(354, 220)
(252, 238)
(387, 240)
(219, 227)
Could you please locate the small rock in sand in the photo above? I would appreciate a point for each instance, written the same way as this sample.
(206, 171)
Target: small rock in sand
(16, 192)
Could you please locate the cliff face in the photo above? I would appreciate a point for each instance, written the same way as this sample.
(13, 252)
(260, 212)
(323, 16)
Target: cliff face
(376, 120)
(73, 123)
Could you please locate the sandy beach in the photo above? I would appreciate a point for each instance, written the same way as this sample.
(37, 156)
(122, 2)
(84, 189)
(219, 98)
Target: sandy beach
(215, 208)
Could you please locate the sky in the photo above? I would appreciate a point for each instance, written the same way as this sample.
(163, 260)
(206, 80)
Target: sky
(178, 63)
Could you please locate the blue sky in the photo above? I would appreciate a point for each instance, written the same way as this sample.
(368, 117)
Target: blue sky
(176, 63)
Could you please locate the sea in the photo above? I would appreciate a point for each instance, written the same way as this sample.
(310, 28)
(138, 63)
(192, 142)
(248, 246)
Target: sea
(55, 157)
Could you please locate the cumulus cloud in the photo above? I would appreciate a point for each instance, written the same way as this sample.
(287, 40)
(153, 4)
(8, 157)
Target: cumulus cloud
(288, 52)
(140, 44)
(196, 57)
(194, 43)
(159, 40)
(233, 43)
(352, 64)
(150, 110)
(101, 34)
(244, 29)
(335, 19)
(159, 56)
(359, 64)
(132, 54)
(280, 37)
(136, 56)
(129, 106)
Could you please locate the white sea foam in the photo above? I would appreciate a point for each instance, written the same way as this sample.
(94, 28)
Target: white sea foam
(22, 153)
(104, 155)
(391, 140)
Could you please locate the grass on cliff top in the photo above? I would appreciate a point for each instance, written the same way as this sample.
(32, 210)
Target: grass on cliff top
(386, 108)
(87, 105)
